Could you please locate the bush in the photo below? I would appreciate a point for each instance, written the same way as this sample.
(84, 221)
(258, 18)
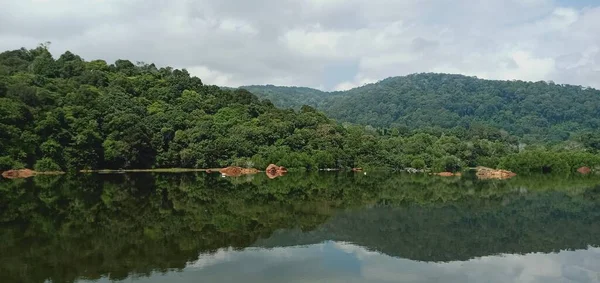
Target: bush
(418, 164)
(448, 163)
(7, 163)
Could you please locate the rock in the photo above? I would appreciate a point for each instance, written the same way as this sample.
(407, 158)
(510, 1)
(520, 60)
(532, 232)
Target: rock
(274, 171)
(275, 168)
(357, 169)
(584, 170)
(235, 171)
(247, 171)
(21, 173)
(231, 171)
(489, 173)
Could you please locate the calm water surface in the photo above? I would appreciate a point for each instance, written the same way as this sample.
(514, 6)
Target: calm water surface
(326, 227)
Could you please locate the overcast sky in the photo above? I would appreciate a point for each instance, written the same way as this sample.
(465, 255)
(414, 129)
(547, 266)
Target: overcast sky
(326, 44)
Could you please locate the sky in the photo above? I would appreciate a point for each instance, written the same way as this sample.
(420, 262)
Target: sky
(324, 44)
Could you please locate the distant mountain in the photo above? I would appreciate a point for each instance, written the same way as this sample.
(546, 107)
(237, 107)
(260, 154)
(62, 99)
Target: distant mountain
(535, 110)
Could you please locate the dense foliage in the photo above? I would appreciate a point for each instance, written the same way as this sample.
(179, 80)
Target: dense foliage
(72, 114)
(69, 114)
(534, 111)
(91, 226)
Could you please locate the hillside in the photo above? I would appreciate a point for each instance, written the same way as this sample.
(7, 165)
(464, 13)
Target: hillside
(535, 111)
(66, 113)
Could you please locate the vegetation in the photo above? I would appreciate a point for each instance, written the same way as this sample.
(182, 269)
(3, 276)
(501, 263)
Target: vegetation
(72, 114)
(533, 111)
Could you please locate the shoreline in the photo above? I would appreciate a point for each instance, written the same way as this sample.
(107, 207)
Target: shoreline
(160, 170)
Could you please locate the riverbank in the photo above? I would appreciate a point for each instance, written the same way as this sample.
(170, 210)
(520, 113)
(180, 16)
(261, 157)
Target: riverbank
(155, 170)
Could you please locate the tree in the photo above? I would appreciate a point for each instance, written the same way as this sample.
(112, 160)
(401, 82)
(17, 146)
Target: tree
(417, 163)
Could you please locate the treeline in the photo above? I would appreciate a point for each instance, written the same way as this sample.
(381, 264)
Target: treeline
(71, 114)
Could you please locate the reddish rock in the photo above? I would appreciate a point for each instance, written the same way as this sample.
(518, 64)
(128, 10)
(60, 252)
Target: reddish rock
(21, 173)
(272, 175)
(274, 171)
(234, 171)
(274, 168)
(246, 171)
(584, 170)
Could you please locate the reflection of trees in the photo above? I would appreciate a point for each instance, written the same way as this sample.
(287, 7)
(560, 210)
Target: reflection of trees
(540, 222)
(90, 226)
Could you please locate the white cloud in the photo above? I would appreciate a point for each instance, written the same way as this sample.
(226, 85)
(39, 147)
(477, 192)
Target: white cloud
(215, 77)
(294, 42)
(315, 42)
(357, 82)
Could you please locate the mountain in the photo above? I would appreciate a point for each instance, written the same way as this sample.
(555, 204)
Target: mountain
(535, 111)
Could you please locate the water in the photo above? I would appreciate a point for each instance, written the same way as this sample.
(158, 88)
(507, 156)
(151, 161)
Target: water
(328, 227)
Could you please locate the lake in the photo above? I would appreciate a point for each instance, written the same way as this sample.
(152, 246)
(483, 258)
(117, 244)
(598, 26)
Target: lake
(302, 227)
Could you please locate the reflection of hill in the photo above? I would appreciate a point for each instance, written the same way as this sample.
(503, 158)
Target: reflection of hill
(546, 222)
(116, 226)
(67, 227)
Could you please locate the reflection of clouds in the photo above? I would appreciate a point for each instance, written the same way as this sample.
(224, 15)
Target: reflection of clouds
(516, 268)
(344, 262)
(565, 266)
(350, 248)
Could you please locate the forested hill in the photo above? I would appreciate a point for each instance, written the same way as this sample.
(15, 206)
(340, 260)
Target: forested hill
(536, 111)
(66, 113)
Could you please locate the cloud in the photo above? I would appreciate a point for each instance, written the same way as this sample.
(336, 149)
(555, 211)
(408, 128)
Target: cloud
(294, 42)
(215, 77)
(357, 82)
